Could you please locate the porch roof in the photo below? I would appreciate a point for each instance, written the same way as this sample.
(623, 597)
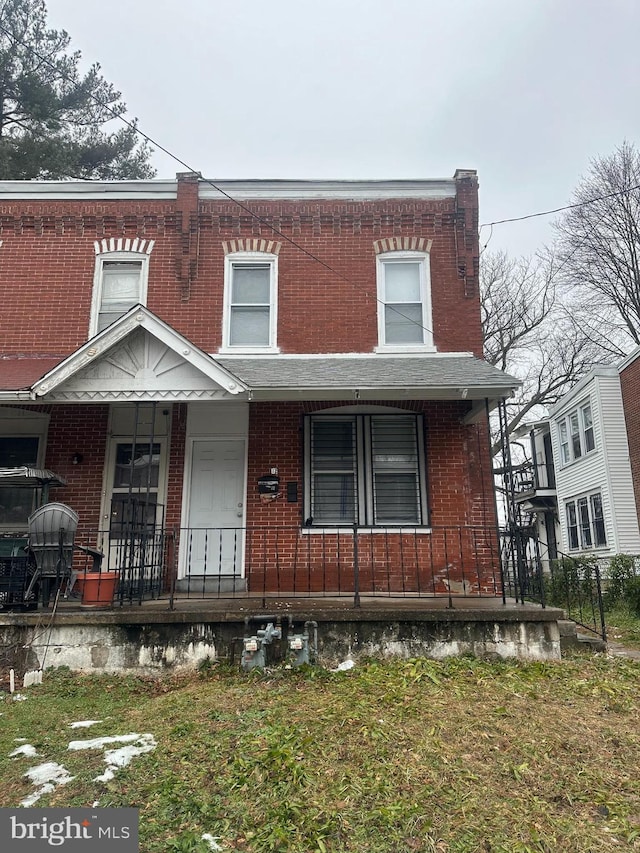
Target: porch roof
(444, 376)
(18, 372)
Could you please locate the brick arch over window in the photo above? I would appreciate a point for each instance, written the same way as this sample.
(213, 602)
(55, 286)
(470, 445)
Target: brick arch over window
(103, 247)
(402, 244)
(251, 244)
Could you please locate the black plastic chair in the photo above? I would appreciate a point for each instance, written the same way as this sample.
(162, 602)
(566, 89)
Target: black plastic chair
(51, 546)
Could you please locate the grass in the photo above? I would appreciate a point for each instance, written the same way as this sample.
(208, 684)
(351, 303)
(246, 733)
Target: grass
(461, 755)
(623, 626)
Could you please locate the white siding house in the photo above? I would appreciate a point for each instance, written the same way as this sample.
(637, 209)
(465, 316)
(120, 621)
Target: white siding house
(596, 504)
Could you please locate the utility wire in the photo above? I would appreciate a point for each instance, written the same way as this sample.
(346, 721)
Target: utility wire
(560, 209)
(133, 125)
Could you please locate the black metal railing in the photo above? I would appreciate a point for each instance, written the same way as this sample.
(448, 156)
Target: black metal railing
(533, 477)
(532, 572)
(292, 562)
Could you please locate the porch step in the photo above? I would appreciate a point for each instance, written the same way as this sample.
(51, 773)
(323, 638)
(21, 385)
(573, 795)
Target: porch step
(571, 639)
(196, 584)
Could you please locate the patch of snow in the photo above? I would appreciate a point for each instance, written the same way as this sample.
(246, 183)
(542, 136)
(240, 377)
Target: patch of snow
(26, 749)
(84, 724)
(212, 840)
(47, 776)
(115, 758)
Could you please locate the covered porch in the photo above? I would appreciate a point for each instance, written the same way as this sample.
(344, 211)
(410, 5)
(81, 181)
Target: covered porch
(203, 477)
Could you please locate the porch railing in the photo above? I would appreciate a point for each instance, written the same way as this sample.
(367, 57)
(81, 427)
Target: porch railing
(574, 583)
(293, 562)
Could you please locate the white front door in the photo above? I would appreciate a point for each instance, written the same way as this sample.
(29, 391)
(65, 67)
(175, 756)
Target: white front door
(213, 544)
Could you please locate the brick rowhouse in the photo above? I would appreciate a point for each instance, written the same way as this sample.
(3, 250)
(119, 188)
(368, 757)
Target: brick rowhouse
(327, 303)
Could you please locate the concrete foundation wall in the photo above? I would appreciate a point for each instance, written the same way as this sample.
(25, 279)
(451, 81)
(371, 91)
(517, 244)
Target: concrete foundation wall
(174, 646)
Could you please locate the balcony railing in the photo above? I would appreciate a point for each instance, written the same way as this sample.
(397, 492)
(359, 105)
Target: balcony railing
(533, 477)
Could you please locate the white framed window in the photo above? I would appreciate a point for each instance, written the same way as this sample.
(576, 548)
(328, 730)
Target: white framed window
(404, 302)
(575, 432)
(120, 282)
(365, 470)
(585, 523)
(250, 302)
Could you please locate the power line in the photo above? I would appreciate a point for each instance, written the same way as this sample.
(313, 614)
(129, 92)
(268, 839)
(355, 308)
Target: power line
(133, 125)
(560, 209)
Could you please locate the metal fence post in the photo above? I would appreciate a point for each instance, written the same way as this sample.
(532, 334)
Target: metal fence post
(356, 569)
(603, 625)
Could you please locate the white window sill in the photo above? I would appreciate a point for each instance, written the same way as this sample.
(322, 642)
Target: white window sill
(579, 459)
(588, 552)
(400, 349)
(248, 350)
(348, 531)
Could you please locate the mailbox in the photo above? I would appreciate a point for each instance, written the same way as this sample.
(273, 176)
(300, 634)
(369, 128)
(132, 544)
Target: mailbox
(269, 485)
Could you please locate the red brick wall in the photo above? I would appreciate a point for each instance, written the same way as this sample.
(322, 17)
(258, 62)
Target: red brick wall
(47, 266)
(278, 555)
(79, 429)
(630, 386)
(459, 494)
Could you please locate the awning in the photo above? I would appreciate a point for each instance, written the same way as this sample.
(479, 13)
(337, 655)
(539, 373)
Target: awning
(30, 477)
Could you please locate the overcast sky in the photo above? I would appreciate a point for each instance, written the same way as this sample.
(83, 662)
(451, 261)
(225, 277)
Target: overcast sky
(525, 91)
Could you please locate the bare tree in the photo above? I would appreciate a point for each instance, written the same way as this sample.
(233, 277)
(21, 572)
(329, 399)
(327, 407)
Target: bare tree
(530, 332)
(599, 247)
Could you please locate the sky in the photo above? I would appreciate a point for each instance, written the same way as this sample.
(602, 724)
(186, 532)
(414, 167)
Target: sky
(527, 92)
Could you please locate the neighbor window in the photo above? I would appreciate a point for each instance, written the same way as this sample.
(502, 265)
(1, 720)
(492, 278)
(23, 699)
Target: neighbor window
(250, 302)
(365, 470)
(575, 431)
(585, 523)
(404, 300)
(120, 283)
(17, 503)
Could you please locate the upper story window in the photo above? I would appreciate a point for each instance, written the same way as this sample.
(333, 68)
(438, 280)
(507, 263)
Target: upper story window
(576, 435)
(404, 301)
(120, 281)
(364, 470)
(250, 302)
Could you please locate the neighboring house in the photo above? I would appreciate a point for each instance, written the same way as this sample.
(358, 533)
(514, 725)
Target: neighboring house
(278, 388)
(629, 370)
(596, 506)
(535, 492)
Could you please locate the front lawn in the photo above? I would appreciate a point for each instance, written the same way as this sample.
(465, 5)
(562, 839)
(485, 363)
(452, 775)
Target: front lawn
(462, 755)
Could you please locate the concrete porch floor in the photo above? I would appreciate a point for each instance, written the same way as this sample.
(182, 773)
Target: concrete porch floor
(151, 638)
(336, 608)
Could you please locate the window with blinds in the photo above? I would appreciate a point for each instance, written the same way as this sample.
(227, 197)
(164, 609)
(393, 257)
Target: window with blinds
(120, 282)
(250, 306)
(250, 302)
(404, 301)
(121, 290)
(366, 470)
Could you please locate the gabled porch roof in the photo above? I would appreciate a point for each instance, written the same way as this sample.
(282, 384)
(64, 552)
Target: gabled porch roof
(138, 357)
